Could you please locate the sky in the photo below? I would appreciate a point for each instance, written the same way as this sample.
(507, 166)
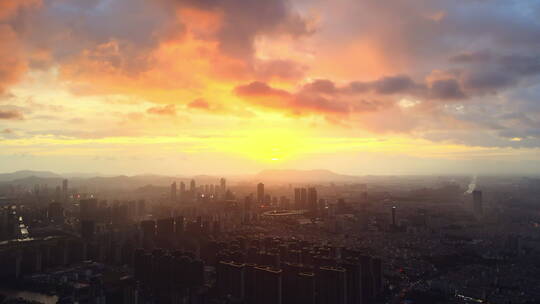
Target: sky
(237, 86)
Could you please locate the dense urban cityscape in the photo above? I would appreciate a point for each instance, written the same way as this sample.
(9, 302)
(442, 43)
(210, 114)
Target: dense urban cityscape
(410, 239)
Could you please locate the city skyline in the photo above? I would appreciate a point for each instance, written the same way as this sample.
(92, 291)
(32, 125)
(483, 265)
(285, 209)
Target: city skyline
(424, 87)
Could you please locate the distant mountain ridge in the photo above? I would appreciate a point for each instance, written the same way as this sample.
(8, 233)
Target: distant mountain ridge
(319, 175)
(30, 178)
(6, 177)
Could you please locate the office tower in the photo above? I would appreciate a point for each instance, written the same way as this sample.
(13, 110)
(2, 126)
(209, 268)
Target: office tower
(376, 272)
(223, 185)
(303, 198)
(312, 200)
(367, 279)
(88, 229)
(477, 202)
(295, 288)
(306, 293)
(182, 190)
(230, 279)
(250, 291)
(322, 207)
(55, 212)
(354, 281)
(297, 198)
(173, 192)
(268, 285)
(65, 190)
(165, 228)
(148, 229)
(394, 217)
(331, 285)
(192, 187)
(88, 209)
(260, 193)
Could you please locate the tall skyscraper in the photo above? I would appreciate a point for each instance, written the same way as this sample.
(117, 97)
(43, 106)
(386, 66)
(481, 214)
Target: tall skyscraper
(165, 228)
(223, 185)
(303, 198)
(260, 193)
(312, 200)
(297, 198)
(394, 217)
(331, 285)
(182, 190)
(88, 209)
(65, 190)
(192, 188)
(173, 192)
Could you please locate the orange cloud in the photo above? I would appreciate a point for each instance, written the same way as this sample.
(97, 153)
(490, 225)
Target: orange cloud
(12, 61)
(11, 115)
(9, 8)
(169, 110)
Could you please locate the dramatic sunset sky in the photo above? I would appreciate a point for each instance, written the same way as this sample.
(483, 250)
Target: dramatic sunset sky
(236, 86)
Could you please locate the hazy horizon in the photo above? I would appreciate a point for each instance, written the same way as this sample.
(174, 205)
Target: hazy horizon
(253, 174)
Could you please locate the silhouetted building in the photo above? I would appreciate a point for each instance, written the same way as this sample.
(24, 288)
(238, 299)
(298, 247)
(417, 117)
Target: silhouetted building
(312, 200)
(376, 272)
(394, 224)
(331, 285)
(367, 279)
(297, 198)
(173, 192)
(65, 190)
(88, 229)
(222, 185)
(260, 193)
(148, 229)
(88, 209)
(306, 288)
(354, 281)
(55, 212)
(303, 198)
(192, 187)
(182, 190)
(230, 279)
(268, 285)
(165, 228)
